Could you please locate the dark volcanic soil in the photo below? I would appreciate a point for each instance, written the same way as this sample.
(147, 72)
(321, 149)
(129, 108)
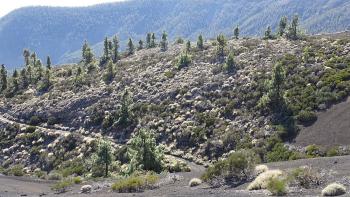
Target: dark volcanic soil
(331, 128)
(339, 167)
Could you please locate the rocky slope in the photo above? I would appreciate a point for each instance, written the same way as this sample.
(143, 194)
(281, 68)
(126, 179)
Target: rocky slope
(199, 112)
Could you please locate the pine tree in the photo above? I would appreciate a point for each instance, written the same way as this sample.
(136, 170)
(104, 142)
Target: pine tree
(188, 46)
(34, 59)
(106, 54)
(3, 78)
(153, 40)
(87, 53)
(140, 47)
(164, 42)
(124, 114)
(276, 86)
(24, 79)
(236, 32)
(230, 64)
(144, 153)
(115, 49)
(148, 40)
(15, 81)
(221, 40)
(293, 28)
(268, 33)
(109, 74)
(200, 44)
(104, 155)
(26, 55)
(131, 47)
(282, 26)
(48, 63)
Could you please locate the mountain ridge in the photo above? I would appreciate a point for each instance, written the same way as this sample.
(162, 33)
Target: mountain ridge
(60, 31)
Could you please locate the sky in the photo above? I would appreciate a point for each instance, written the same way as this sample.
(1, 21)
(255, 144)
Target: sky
(10, 5)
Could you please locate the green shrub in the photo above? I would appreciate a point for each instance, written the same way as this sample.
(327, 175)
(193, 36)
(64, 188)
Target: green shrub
(34, 120)
(313, 151)
(55, 176)
(332, 152)
(235, 170)
(52, 121)
(277, 186)
(74, 167)
(169, 74)
(77, 180)
(41, 174)
(30, 129)
(183, 61)
(17, 170)
(306, 117)
(305, 177)
(135, 183)
(278, 153)
(62, 186)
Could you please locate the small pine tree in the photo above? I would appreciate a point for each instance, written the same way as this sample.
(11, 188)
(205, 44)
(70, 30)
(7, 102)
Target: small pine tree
(104, 155)
(282, 26)
(164, 42)
(183, 61)
(115, 49)
(24, 79)
(200, 41)
(148, 40)
(236, 32)
(131, 47)
(124, 115)
(188, 46)
(268, 33)
(48, 63)
(276, 86)
(144, 153)
(140, 47)
(15, 85)
(33, 57)
(230, 64)
(109, 74)
(106, 54)
(153, 40)
(26, 55)
(3, 78)
(89, 56)
(83, 51)
(221, 40)
(293, 28)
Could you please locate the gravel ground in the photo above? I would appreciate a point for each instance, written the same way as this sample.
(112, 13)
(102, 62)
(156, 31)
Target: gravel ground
(337, 167)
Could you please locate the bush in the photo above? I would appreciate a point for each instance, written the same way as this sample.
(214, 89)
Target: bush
(34, 120)
(278, 153)
(77, 180)
(332, 152)
(62, 186)
(277, 186)
(306, 117)
(55, 176)
(262, 181)
(30, 129)
(41, 174)
(260, 169)
(235, 170)
(16, 170)
(135, 183)
(334, 189)
(183, 61)
(313, 151)
(194, 182)
(306, 177)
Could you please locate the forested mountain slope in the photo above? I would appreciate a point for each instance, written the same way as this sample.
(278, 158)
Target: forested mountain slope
(59, 32)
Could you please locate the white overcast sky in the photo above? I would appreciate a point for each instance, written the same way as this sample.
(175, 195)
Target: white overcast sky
(9, 5)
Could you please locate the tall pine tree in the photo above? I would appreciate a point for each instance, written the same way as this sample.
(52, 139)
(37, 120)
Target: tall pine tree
(236, 32)
(3, 78)
(131, 47)
(282, 26)
(200, 44)
(48, 63)
(115, 49)
(164, 42)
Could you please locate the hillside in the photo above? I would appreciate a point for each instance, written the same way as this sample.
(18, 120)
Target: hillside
(60, 32)
(250, 96)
